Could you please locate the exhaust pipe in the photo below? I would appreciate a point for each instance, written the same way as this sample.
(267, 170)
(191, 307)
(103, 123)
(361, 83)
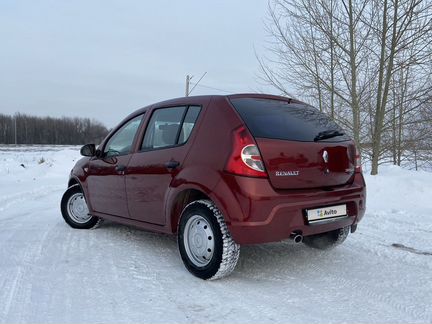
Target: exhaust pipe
(297, 237)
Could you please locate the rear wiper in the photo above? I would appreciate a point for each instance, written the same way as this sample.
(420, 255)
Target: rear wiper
(327, 134)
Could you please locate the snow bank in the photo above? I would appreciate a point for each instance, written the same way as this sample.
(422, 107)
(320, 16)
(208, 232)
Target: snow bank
(399, 189)
(399, 211)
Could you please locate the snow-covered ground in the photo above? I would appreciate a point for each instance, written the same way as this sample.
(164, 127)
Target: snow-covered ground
(52, 273)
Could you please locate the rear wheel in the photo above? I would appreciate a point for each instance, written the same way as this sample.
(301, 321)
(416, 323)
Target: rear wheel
(327, 240)
(75, 211)
(206, 246)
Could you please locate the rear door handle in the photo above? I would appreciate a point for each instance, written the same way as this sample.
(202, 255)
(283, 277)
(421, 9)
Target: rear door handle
(172, 164)
(120, 168)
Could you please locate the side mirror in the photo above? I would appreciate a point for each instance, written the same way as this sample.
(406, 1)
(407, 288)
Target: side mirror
(88, 150)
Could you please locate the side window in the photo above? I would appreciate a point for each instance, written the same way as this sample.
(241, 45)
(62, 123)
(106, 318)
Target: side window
(121, 142)
(163, 128)
(189, 123)
(170, 126)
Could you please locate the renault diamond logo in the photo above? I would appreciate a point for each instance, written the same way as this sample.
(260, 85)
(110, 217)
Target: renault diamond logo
(325, 156)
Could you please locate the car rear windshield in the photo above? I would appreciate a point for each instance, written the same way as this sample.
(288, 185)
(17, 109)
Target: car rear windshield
(268, 118)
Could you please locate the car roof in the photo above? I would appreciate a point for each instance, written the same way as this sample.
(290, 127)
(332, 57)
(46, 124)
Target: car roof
(190, 99)
(200, 99)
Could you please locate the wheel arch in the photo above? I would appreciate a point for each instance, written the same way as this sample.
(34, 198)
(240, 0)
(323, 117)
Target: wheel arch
(180, 199)
(74, 181)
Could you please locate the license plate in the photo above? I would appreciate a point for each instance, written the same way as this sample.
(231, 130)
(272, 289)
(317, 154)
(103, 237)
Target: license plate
(326, 212)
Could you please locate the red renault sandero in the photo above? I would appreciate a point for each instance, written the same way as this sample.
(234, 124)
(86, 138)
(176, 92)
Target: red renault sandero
(219, 172)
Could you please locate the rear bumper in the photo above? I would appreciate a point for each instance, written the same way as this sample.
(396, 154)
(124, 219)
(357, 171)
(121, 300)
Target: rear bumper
(256, 213)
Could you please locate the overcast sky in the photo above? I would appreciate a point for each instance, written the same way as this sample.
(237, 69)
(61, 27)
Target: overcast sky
(104, 59)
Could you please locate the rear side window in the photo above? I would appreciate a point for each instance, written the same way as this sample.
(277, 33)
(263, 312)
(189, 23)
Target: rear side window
(278, 119)
(169, 127)
(189, 123)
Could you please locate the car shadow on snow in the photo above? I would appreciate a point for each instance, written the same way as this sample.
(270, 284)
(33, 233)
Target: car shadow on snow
(285, 260)
(272, 260)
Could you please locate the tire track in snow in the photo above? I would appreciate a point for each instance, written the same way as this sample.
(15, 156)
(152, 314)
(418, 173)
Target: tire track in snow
(358, 288)
(25, 260)
(42, 191)
(23, 242)
(384, 248)
(149, 253)
(374, 292)
(9, 291)
(142, 271)
(410, 249)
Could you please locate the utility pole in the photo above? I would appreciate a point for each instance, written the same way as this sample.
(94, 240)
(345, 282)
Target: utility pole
(188, 79)
(187, 85)
(16, 137)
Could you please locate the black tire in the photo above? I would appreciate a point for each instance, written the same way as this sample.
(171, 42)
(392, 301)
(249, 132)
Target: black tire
(328, 240)
(225, 252)
(75, 193)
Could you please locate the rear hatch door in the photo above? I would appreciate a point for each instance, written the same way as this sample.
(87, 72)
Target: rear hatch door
(300, 146)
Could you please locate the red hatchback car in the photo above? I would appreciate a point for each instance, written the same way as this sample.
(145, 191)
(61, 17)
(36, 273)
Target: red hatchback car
(222, 171)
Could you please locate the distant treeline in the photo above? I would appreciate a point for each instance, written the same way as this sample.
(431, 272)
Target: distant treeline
(25, 129)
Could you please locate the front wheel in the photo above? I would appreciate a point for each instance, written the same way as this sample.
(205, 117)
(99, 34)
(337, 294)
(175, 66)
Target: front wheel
(75, 211)
(328, 240)
(206, 246)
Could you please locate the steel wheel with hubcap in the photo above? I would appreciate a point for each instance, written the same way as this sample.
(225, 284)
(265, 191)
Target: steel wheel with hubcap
(198, 240)
(206, 246)
(77, 208)
(75, 211)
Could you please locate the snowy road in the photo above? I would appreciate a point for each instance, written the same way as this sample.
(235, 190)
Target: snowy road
(53, 274)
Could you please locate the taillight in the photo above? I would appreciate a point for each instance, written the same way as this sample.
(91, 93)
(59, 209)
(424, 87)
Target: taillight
(358, 166)
(245, 158)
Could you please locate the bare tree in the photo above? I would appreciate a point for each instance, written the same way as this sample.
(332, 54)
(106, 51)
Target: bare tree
(402, 24)
(358, 61)
(321, 48)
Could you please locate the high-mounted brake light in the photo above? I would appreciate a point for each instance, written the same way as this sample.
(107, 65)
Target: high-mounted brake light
(358, 166)
(245, 158)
